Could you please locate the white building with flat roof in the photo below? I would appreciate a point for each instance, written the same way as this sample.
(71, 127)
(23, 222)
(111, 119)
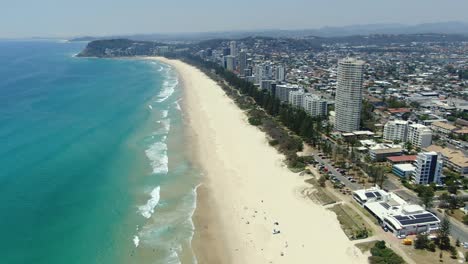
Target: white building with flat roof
(314, 105)
(395, 214)
(296, 98)
(282, 91)
(419, 135)
(396, 130)
(348, 99)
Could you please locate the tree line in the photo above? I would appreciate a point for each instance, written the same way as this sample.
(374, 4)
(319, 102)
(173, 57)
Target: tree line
(295, 119)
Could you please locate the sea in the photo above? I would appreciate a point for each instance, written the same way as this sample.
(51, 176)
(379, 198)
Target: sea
(94, 165)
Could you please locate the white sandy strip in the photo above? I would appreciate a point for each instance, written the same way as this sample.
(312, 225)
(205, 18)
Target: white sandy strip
(242, 170)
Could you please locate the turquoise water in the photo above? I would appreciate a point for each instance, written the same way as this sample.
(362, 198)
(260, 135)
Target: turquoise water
(93, 162)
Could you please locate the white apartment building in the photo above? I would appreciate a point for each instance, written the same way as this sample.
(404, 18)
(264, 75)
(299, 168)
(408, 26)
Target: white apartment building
(348, 99)
(428, 168)
(314, 105)
(282, 92)
(419, 135)
(296, 98)
(396, 130)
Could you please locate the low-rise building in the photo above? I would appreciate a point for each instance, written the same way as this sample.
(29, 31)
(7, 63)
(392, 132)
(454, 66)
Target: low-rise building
(452, 159)
(395, 214)
(443, 128)
(404, 170)
(379, 153)
(402, 159)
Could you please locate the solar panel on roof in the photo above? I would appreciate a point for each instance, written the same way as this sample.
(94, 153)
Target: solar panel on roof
(385, 205)
(377, 194)
(370, 195)
(422, 215)
(401, 217)
(418, 220)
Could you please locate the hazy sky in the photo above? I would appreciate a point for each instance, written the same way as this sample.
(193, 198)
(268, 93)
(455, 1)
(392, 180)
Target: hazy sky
(25, 18)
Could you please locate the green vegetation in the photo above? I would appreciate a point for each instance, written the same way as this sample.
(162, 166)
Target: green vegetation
(276, 119)
(443, 240)
(119, 48)
(423, 242)
(351, 222)
(426, 195)
(394, 103)
(383, 255)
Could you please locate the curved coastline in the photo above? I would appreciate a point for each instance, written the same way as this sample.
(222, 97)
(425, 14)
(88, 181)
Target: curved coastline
(247, 193)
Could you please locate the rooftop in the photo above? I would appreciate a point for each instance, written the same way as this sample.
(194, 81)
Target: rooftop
(444, 125)
(398, 110)
(405, 167)
(404, 158)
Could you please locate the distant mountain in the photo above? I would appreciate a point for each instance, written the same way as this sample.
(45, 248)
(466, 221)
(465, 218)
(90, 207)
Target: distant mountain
(369, 29)
(440, 28)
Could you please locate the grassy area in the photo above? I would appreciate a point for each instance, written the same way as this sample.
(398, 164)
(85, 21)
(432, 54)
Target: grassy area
(457, 214)
(319, 194)
(351, 222)
(366, 246)
(424, 256)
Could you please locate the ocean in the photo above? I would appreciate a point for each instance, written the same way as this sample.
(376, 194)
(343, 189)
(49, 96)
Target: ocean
(93, 157)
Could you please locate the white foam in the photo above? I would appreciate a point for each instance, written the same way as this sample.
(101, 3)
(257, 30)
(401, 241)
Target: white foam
(157, 154)
(150, 107)
(136, 241)
(168, 89)
(177, 105)
(164, 113)
(148, 209)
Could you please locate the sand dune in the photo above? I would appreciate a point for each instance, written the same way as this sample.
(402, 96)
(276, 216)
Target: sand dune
(248, 193)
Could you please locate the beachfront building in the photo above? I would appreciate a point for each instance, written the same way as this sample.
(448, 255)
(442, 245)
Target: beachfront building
(242, 62)
(420, 136)
(396, 130)
(348, 99)
(296, 98)
(428, 168)
(395, 214)
(230, 62)
(314, 105)
(282, 91)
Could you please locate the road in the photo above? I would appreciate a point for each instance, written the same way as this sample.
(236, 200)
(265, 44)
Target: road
(351, 185)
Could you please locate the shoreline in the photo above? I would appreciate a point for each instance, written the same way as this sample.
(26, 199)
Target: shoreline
(249, 205)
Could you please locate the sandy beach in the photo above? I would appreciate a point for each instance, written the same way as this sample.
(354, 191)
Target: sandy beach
(248, 194)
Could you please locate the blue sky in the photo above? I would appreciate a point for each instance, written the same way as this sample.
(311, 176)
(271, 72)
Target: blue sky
(64, 18)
